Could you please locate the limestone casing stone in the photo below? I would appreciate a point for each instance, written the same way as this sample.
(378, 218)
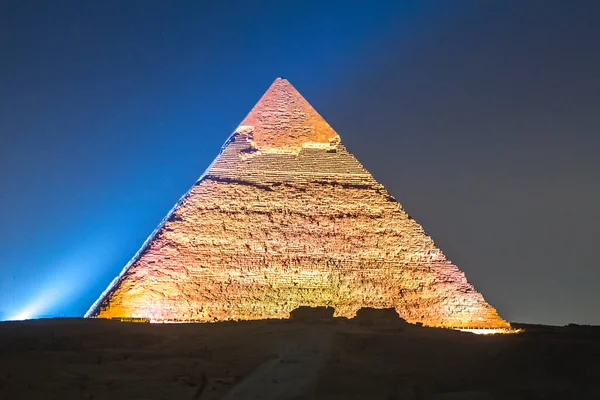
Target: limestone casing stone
(287, 217)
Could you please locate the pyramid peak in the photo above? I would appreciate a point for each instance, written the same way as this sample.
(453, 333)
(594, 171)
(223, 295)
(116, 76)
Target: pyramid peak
(284, 119)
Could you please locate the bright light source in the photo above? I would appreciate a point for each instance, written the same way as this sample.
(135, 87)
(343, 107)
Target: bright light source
(41, 303)
(21, 317)
(68, 275)
(485, 331)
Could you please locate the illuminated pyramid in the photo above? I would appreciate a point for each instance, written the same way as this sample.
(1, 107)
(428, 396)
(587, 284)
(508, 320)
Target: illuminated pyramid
(285, 217)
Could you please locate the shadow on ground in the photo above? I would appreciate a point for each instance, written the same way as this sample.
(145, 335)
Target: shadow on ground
(302, 358)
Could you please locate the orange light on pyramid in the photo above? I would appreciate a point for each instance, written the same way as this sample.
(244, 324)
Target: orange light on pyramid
(286, 217)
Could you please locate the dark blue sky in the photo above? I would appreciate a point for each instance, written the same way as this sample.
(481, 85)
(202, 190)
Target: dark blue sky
(481, 118)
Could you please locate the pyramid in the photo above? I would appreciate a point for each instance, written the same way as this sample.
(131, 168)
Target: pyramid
(284, 217)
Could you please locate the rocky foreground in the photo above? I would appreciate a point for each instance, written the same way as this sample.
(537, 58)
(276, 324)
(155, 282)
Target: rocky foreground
(284, 359)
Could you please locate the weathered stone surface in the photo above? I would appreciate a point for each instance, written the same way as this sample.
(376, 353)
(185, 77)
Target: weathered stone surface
(287, 217)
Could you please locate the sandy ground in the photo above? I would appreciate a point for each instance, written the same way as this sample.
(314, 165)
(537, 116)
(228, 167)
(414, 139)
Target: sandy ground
(101, 359)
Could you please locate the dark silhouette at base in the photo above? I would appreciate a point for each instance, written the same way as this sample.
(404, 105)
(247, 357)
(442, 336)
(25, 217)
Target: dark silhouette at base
(312, 314)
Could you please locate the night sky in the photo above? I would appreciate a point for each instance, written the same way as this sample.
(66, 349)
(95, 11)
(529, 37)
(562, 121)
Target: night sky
(481, 117)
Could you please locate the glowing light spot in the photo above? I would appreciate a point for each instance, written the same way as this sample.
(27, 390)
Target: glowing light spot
(41, 303)
(496, 331)
(24, 315)
(69, 274)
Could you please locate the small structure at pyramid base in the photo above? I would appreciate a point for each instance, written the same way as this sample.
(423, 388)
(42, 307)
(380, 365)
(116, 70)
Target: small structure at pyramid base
(286, 217)
(378, 316)
(312, 314)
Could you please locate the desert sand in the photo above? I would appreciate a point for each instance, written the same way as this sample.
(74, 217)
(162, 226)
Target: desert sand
(283, 359)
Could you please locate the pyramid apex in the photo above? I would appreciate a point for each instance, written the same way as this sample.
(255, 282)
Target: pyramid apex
(284, 119)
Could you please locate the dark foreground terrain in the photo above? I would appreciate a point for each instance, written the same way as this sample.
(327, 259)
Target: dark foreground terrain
(101, 359)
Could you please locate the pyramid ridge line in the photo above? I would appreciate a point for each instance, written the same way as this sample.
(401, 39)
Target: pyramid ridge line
(154, 233)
